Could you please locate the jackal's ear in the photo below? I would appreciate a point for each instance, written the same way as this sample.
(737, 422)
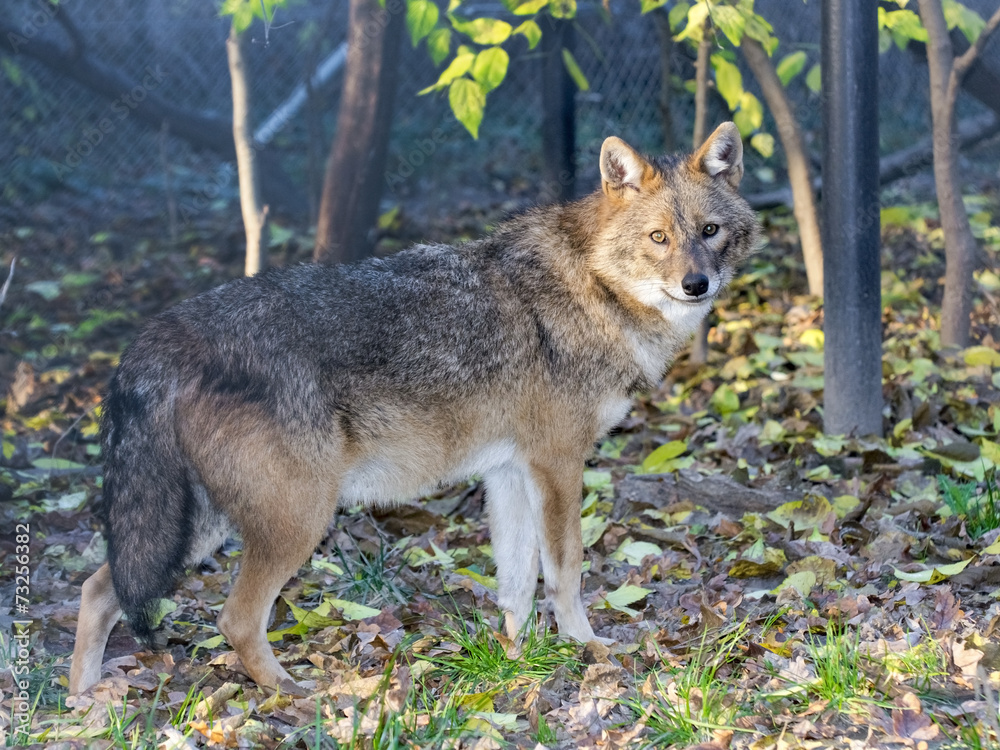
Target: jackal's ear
(722, 154)
(623, 170)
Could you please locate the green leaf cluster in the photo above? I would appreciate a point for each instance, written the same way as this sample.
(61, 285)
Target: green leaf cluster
(732, 20)
(244, 11)
(480, 64)
(747, 109)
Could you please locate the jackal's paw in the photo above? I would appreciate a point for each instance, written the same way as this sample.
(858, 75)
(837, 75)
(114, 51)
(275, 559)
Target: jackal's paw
(604, 641)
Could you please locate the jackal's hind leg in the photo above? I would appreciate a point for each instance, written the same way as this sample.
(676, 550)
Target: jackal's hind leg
(275, 544)
(512, 505)
(99, 611)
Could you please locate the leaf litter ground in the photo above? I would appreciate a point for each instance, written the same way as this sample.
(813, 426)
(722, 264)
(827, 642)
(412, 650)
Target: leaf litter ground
(767, 585)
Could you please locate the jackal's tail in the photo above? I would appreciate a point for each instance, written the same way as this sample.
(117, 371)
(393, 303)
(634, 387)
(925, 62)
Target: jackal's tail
(148, 495)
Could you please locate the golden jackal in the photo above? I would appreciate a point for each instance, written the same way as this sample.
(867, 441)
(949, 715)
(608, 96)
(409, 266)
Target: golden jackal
(262, 405)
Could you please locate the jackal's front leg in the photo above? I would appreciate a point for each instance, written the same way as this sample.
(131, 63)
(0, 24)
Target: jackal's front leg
(513, 508)
(561, 543)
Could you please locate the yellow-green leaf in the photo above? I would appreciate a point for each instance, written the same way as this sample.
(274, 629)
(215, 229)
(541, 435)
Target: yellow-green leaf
(790, 66)
(993, 549)
(314, 619)
(56, 464)
(763, 143)
(634, 552)
(594, 527)
(829, 445)
(208, 643)
(488, 581)
(352, 610)
(327, 567)
(655, 460)
(728, 80)
(677, 15)
(439, 44)
(531, 31)
(802, 582)
(725, 400)
(967, 20)
(990, 451)
(750, 115)
(933, 575)
(574, 70)
(757, 27)
(695, 23)
(484, 30)
(597, 479)
(844, 504)
(421, 17)
(624, 595)
(562, 8)
(758, 561)
(647, 5)
(417, 556)
(467, 101)
(490, 68)
(527, 7)
(814, 79)
(458, 67)
(813, 338)
(975, 356)
(731, 21)
(812, 512)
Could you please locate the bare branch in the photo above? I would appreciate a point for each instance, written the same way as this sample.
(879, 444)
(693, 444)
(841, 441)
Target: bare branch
(966, 60)
(961, 65)
(899, 164)
(6, 284)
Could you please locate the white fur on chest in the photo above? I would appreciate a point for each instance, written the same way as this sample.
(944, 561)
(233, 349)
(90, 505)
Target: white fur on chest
(653, 354)
(402, 473)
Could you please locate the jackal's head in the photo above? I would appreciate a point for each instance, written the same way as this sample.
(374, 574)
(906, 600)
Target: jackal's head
(674, 228)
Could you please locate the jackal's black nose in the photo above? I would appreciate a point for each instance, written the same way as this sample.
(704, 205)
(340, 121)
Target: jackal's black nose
(695, 284)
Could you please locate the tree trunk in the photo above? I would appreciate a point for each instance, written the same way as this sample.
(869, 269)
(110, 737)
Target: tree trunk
(799, 176)
(254, 214)
(662, 20)
(352, 184)
(701, 88)
(959, 244)
(558, 113)
(699, 346)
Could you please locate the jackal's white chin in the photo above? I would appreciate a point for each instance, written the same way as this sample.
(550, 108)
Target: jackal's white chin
(683, 314)
(660, 297)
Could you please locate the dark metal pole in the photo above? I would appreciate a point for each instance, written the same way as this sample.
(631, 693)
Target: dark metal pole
(558, 113)
(852, 304)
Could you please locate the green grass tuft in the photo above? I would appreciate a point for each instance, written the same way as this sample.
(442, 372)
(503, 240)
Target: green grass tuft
(371, 578)
(482, 664)
(685, 705)
(981, 510)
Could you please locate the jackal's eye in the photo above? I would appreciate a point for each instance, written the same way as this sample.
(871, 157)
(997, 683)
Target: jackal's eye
(659, 237)
(709, 229)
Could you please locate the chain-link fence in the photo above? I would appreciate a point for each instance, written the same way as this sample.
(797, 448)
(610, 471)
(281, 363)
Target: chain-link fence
(57, 131)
